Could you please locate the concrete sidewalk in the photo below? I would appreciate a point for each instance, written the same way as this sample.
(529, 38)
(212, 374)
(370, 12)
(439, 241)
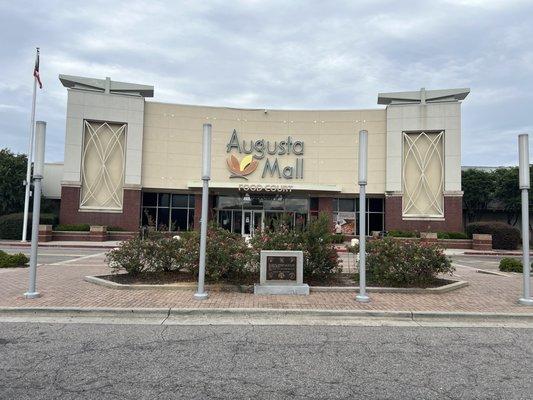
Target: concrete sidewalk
(110, 244)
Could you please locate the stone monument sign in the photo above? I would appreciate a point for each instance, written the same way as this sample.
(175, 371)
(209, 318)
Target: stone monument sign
(281, 272)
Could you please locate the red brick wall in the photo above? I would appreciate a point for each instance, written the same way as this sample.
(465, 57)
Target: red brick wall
(198, 209)
(128, 219)
(325, 204)
(453, 217)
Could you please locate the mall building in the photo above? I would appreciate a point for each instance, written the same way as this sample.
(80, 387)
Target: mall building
(131, 162)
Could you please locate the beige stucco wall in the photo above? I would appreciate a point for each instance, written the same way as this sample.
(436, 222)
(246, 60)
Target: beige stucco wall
(171, 151)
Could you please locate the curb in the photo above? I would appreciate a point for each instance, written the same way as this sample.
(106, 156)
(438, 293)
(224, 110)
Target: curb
(453, 285)
(257, 312)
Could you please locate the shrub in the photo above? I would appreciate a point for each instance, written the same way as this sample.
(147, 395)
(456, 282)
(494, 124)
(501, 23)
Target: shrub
(395, 263)
(73, 227)
(406, 234)
(504, 236)
(452, 235)
(115, 229)
(508, 264)
(228, 257)
(11, 224)
(12, 260)
(315, 240)
(339, 238)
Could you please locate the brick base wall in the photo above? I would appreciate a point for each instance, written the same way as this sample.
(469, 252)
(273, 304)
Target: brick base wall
(453, 217)
(128, 219)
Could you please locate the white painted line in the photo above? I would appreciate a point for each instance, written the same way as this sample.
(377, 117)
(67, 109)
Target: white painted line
(79, 258)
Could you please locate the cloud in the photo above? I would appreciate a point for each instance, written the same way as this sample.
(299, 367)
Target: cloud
(277, 54)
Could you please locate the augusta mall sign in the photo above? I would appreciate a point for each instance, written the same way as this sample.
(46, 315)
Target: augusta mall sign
(272, 155)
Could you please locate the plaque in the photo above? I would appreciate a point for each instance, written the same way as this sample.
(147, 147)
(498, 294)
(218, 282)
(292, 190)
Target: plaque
(281, 268)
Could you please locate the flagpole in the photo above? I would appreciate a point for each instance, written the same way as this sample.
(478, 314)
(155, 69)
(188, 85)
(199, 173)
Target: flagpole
(30, 156)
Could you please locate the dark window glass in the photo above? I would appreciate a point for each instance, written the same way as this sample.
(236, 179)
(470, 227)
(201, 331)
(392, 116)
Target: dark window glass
(164, 199)
(180, 200)
(149, 216)
(179, 219)
(149, 199)
(229, 202)
(375, 222)
(346, 204)
(237, 221)
(191, 200)
(191, 219)
(335, 204)
(224, 219)
(314, 203)
(163, 222)
(375, 205)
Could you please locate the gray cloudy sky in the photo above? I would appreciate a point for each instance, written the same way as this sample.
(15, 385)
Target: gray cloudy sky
(277, 54)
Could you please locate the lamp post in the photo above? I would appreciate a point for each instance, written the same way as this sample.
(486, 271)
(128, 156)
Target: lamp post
(38, 167)
(524, 184)
(363, 144)
(206, 175)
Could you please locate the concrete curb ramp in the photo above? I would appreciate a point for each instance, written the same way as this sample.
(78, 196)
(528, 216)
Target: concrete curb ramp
(229, 314)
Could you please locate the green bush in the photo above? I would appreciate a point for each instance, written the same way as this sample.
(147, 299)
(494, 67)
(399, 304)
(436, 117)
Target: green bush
(504, 236)
(11, 224)
(405, 234)
(12, 260)
(339, 238)
(508, 264)
(73, 227)
(452, 235)
(153, 253)
(315, 240)
(394, 263)
(228, 257)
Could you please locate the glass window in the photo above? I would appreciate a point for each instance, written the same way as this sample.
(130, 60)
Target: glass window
(179, 219)
(149, 199)
(313, 203)
(375, 205)
(180, 200)
(237, 221)
(224, 219)
(346, 205)
(163, 222)
(229, 202)
(164, 200)
(375, 222)
(168, 211)
(149, 216)
(295, 204)
(191, 200)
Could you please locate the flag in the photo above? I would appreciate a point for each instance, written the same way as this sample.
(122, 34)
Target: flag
(36, 70)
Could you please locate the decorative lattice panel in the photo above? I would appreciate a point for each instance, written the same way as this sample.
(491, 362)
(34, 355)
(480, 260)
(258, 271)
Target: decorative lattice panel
(423, 174)
(103, 166)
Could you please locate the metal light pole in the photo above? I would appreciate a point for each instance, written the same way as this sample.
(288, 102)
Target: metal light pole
(523, 154)
(363, 144)
(206, 172)
(40, 136)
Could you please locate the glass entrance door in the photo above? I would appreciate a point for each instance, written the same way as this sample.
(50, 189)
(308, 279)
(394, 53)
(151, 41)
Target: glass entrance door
(252, 222)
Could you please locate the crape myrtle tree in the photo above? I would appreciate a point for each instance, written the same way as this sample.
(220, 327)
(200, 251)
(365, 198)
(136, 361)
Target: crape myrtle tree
(12, 176)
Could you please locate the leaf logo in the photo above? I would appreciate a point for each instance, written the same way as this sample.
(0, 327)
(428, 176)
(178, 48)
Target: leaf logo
(240, 169)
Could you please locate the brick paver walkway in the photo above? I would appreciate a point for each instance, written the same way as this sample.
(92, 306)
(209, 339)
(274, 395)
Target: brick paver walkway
(63, 286)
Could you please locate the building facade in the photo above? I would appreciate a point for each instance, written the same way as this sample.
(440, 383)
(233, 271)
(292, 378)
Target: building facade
(131, 162)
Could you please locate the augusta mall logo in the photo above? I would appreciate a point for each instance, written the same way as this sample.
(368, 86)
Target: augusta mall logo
(243, 168)
(270, 151)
